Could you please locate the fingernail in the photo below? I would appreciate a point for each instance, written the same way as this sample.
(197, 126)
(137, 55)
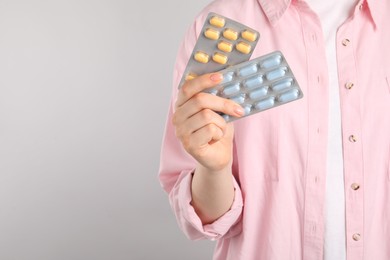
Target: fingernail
(216, 77)
(239, 111)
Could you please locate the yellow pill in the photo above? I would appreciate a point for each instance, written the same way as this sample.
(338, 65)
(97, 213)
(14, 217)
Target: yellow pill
(211, 34)
(201, 57)
(191, 76)
(225, 46)
(217, 21)
(230, 34)
(243, 47)
(249, 35)
(220, 58)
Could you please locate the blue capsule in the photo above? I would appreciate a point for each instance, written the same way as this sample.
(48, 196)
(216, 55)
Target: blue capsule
(228, 77)
(283, 84)
(212, 91)
(271, 62)
(266, 103)
(258, 93)
(276, 73)
(226, 117)
(247, 109)
(253, 82)
(231, 89)
(240, 99)
(289, 95)
(248, 70)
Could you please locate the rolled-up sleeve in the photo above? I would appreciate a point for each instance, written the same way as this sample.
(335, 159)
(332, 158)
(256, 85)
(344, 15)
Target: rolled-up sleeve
(180, 199)
(177, 166)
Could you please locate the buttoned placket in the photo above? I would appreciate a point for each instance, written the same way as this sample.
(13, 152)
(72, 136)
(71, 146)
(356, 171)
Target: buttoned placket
(317, 95)
(351, 132)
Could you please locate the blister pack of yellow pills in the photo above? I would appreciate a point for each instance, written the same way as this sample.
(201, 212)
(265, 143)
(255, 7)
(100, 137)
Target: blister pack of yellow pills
(259, 84)
(222, 42)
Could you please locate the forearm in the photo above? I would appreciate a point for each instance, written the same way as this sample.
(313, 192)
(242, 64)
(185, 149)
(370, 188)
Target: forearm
(212, 193)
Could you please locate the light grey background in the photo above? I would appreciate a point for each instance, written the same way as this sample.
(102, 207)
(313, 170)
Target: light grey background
(84, 91)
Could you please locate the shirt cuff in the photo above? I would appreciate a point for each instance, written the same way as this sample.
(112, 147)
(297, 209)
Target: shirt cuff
(225, 226)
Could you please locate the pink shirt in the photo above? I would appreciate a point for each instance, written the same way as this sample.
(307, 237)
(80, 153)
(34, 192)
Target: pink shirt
(280, 154)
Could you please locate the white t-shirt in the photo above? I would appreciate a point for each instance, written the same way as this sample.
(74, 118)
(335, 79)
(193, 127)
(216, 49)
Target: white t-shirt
(332, 14)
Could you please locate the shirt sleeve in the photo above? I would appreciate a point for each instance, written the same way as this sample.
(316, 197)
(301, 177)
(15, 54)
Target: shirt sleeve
(177, 166)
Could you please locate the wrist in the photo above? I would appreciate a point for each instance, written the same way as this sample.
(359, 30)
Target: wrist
(213, 172)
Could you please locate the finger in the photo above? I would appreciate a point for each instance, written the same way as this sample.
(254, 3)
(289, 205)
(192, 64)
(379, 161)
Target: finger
(199, 120)
(196, 85)
(203, 101)
(204, 136)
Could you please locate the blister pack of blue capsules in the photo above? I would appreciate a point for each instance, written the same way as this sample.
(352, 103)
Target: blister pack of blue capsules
(259, 84)
(222, 42)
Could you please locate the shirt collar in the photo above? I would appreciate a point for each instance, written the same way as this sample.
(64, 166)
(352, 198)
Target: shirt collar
(375, 10)
(274, 9)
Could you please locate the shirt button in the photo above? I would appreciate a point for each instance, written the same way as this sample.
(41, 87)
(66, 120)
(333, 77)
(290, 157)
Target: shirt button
(349, 85)
(352, 139)
(345, 42)
(355, 186)
(356, 237)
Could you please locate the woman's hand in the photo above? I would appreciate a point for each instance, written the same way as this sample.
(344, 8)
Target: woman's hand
(203, 132)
